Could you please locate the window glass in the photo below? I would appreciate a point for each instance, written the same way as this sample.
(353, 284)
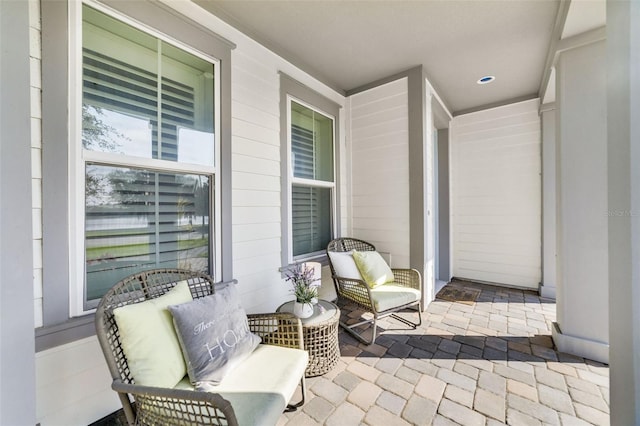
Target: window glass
(311, 219)
(140, 219)
(311, 144)
(155, 100)
(312, 184)
(143, 98)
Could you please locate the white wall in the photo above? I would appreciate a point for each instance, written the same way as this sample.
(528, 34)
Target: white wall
(549, 218)
(73, 384)
(256, 174)
(380, 174)
(495, 195)
(256, 179)
(582, 292)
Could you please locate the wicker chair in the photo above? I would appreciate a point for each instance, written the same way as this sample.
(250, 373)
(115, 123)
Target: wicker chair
(168, 406)
(357, 292)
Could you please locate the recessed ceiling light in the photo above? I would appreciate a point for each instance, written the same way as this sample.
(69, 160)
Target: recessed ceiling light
(486, 79)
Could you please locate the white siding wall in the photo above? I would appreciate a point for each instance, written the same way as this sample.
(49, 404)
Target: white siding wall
(73, 384)
(256, 173)
(256, 181)
(496, 195)
(36, 155)
(380, 173)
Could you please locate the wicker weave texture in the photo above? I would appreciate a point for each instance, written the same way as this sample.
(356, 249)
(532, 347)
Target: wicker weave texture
(357, 292)
(135, 289)
(278, 329)
(160, 406)
(321, 342)
(183, 408)
(348, 290)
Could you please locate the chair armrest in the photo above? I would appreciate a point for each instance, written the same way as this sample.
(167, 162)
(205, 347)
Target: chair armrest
(354, 290)
(156, 405)
(407, 278)
(279, 329)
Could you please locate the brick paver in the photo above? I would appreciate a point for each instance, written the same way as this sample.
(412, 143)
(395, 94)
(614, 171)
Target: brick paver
(419, 411)
(378, 416)
(430, 388)
(490, 404)
(489, 363)
(345, 414)
(459, 395)
(364, 395)
(391, 402)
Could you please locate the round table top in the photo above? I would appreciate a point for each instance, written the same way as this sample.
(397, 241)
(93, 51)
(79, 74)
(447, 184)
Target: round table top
(322, 311)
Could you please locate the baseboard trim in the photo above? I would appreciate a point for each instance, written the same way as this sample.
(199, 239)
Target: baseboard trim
(547, 291)
(579, 346)
(513, 286)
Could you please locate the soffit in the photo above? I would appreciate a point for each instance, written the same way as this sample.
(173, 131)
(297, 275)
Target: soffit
(348, 44)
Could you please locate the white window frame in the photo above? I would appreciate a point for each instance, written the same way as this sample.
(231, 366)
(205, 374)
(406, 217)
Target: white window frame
(79, 157)
(291, 180)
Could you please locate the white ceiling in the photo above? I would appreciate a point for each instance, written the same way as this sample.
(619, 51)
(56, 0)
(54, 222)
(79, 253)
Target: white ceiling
(348, 44)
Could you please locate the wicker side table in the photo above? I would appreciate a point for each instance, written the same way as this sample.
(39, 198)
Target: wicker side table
(320, 333)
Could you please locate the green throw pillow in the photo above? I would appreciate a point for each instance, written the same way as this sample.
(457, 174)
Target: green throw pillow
(373, 268)
(149, 340)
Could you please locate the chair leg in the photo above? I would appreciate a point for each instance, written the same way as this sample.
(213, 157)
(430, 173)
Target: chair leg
(127, 407)
(410, 323)
(349, 329)
(374, 328)
(303, 388)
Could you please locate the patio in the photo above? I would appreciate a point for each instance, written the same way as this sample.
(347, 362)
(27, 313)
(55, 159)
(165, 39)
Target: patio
(489, 362)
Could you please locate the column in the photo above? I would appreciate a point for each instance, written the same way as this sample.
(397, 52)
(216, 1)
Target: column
(623, 131)
(582, 326)
(17, 339)
(549, 237)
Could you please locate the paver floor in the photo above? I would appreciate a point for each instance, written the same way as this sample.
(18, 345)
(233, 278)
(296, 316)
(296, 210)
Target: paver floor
(486, 363)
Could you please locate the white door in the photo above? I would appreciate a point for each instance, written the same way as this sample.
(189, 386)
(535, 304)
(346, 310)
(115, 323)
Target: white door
(496, 195)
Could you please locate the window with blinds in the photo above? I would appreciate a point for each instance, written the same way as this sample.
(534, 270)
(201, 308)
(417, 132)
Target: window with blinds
(312, 182)
(149, 103)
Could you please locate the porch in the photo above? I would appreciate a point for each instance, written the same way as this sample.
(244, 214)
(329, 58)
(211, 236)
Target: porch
(484, 363)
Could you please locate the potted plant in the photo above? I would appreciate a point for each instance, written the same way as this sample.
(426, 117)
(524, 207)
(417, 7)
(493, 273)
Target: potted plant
(305, 288)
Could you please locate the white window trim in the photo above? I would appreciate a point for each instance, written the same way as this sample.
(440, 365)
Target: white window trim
(78, 157)
(291, 180)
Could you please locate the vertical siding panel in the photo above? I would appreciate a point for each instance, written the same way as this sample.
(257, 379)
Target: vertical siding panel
(496, 195)
(36, 155)
(380, 150)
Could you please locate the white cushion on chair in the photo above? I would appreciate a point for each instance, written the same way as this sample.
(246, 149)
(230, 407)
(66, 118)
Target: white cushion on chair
(149, 340)
(390, 295)
(344, 265)
(261, 386)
